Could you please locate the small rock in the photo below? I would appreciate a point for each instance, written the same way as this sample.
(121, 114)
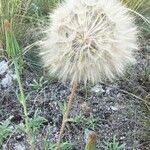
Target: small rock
(4, 147)
(98, 89)
(94, 110)
(122, 138)
(85, 107)
(19, 146)
(7, 80)
(117, 107)
(3, 67)
(114, 108)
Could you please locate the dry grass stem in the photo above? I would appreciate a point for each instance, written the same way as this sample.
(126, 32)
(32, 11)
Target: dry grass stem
(66, 114)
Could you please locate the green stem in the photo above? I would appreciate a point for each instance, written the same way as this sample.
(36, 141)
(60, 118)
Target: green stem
(22, 100)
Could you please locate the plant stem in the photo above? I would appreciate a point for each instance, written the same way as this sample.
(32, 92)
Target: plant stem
(66, 114)
(22, 96)
(22, 100)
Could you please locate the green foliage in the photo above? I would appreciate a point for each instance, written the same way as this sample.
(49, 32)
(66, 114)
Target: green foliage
(38, 85)
(85, 90)
(9, 8)
(89, 122)
(50, 146)
(90, 147)
(5, 131)
(16, 17)
(114, 145)
(23, 14)
(15, 53)
(62, 107)
(134, 4)
(140, 8)
(12, 47)
(7, 35)
(39, 8)
(66, 146)
(34, 123)
(7, 16)
(31, 128)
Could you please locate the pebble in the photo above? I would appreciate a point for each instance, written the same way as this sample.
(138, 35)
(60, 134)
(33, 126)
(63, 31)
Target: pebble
(98, 89)
(19, 146)
(7, 75)
(3, 67)
(114, 108)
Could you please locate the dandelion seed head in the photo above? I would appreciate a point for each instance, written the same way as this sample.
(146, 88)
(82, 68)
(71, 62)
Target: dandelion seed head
(89, 40)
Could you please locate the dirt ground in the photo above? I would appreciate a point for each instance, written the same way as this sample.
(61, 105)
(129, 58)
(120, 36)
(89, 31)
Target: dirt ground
(110, 108)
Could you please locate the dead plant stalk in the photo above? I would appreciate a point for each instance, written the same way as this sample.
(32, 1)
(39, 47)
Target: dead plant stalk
(66, 114)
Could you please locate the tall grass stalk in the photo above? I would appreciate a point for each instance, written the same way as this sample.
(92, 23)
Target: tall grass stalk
(12, 48)
(141, 9)
(134, 4)
(8, 9)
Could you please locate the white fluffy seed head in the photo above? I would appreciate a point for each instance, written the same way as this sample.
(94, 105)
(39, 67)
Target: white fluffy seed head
(89, 40)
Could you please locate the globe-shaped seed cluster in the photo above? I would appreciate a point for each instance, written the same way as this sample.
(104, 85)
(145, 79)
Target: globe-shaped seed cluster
(89, 40)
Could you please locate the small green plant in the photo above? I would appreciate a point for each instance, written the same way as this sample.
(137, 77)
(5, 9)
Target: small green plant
(85, 90)
(66, 146)
(62, 107)
(15, 17)
(50, 146)
(89, 122)
(38, 85)
(5, 130)
(114, 145)
(34, 123)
